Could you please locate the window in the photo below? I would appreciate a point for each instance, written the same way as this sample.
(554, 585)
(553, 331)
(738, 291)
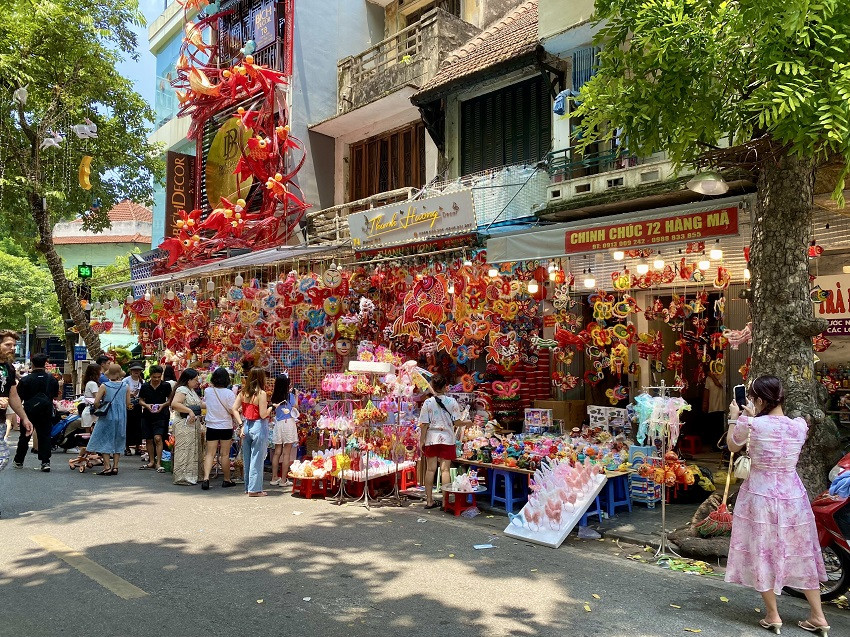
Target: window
(389, 161)
(509, 126)
(449, 6)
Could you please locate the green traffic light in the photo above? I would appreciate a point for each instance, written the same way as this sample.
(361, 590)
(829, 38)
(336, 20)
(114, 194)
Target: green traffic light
(84, 271)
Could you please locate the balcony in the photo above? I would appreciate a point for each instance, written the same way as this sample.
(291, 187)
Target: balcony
(165, 102)
(410, 57)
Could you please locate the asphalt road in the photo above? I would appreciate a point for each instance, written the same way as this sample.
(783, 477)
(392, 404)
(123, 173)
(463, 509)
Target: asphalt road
(183, 562)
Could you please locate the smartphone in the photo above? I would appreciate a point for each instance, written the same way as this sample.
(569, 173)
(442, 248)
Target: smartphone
(740, 395)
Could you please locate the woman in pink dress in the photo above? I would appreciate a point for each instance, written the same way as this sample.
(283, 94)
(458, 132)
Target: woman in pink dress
(774, 539)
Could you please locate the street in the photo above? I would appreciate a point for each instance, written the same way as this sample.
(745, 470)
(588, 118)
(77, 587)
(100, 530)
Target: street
(144, 557)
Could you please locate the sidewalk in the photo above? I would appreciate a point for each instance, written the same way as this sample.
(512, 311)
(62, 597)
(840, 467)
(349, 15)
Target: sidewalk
(643, 525)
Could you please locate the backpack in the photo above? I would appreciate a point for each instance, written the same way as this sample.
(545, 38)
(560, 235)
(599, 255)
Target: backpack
(40, 404)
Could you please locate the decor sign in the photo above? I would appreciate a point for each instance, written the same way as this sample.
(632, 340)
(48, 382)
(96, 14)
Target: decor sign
(836, 308)
(687, 226)
(412, 222)
(225, 152)
(179, 188)
(265, 24)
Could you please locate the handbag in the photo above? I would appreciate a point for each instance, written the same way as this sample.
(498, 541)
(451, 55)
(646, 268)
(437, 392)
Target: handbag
(104, 407)
(742, 464)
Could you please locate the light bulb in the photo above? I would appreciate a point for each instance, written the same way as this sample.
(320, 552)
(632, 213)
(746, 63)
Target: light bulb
(551, 267)
(210, 286)
(115, 303)
(845, 269)
(238, 281)
(333, 266)
(147, 296)
(642, 268)
(533, 287)
(493, 272)
(96, 305)
(716, 254)
(746, 274)
(589, 281)
(553, 275)
(658, 264)
(619, 255)
(704, 264)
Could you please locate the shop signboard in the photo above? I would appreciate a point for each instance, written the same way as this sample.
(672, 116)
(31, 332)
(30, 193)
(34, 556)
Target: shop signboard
(684, 227)
(411, 222)
(265, 24)
(836, 308)
(179, 188)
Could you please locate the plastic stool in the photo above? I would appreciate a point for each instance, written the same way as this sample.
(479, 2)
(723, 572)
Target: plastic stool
(408, 478)
(502, 490)
(597, 510)
(460, 503)
(617, 493)
(690, 445)
(310, 487)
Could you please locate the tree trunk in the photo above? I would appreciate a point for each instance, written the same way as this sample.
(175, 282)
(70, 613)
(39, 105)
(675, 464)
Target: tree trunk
(782, 312)
(65, 289)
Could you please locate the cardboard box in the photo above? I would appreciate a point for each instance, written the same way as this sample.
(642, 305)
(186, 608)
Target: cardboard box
(572, 412)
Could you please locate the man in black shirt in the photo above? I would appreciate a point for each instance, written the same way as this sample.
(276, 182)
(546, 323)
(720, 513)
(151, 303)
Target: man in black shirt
(37, 391)
(155, 398)
(8, 379)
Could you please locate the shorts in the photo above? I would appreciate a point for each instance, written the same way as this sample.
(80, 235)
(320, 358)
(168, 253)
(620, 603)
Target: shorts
(154, 428)
(443, 452)
(219, 434)
(285, 433)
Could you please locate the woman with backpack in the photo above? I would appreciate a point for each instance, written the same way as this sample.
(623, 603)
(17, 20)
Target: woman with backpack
(110, 431)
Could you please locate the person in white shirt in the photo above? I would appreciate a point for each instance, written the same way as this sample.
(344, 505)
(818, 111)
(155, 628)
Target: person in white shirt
(438, 418)
(219, 420)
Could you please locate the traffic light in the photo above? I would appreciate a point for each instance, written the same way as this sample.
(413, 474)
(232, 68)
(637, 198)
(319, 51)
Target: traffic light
(85, 271)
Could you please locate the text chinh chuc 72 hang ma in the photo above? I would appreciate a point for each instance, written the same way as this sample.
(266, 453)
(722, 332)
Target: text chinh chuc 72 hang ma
(691, 226)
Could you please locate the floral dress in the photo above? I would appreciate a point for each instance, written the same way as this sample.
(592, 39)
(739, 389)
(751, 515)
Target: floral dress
(774, 539)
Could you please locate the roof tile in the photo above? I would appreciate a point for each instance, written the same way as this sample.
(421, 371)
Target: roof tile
(101, 238)
(127, 211)
(511, 36)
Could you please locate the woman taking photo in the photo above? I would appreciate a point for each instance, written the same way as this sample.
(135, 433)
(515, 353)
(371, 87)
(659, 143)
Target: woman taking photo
(254, 405)
(437, 421)
(110, 431)
(774, 539)
(186, 408)
(219, 421)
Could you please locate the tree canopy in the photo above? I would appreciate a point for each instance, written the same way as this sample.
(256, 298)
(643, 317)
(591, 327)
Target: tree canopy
(681, 75)
(26, 289)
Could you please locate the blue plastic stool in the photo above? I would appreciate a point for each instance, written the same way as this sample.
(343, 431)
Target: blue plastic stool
(597, 510)
(503, 489)
(617, 493)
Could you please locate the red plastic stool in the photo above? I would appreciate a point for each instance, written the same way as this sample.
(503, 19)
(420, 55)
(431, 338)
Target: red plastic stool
(461, 502)
(310, 487)
(408, 479)
(690, 445)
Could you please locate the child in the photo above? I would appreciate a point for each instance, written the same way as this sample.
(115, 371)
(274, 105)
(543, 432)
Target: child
(285, 434)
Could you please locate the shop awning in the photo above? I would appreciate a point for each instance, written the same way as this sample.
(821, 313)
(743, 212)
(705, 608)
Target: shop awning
(243, 261)
(549, 243)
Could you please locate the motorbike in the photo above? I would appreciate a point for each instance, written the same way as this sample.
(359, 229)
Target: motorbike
(832, 517)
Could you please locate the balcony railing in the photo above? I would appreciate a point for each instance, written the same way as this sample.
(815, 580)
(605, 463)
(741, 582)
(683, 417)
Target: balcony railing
(568, 163)
(411, 56)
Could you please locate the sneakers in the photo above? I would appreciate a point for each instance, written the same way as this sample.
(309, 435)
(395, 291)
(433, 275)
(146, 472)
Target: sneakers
(276, 483)
(72, 450)
(288, 483)
(18, 465)
(45, 467)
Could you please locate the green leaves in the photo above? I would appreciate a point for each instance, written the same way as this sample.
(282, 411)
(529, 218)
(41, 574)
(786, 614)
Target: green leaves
(26, 290)
(679, 75)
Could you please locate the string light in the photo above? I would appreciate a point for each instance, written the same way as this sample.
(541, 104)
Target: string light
(746, 274)
(147, 295)
(589, 281)
(210, 285)
(238, 281)
(704, 264)
(658, 264)
(533, 287)
(551, 266)
(716, 253)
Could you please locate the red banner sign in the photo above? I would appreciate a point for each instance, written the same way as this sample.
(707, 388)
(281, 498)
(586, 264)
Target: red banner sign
(687, 226)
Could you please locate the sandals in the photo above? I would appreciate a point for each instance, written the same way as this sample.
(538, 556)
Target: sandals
(160, 469)
(258, 494)
(806, 625)
(145, 467)
(433, 505)
(105, 472)
(774, 627)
